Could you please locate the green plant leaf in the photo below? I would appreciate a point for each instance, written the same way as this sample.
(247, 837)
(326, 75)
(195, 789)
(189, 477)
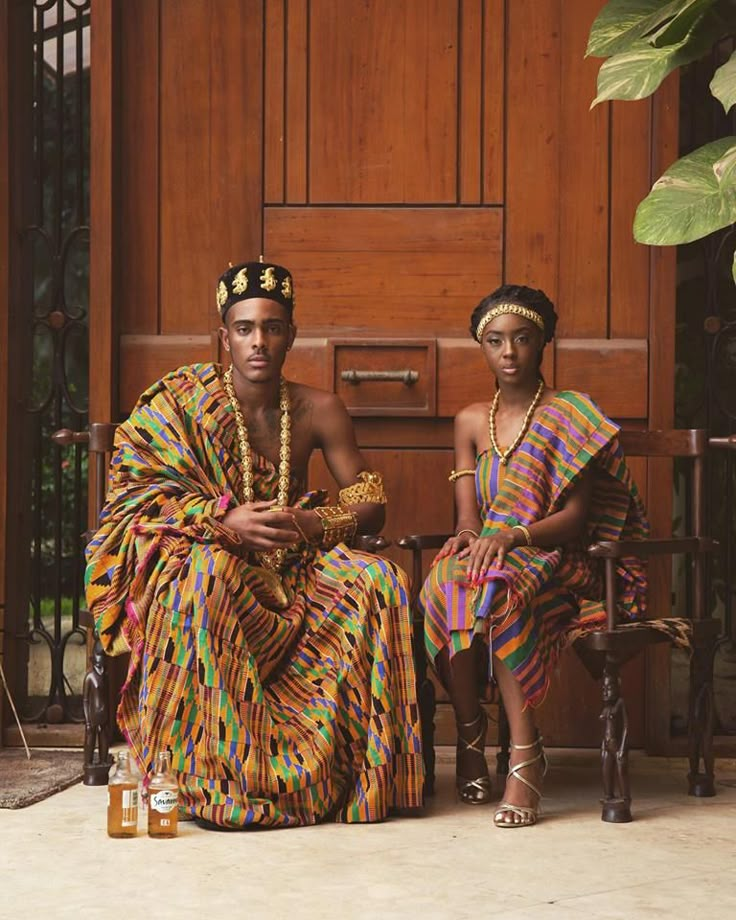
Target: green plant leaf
(681, 24)
(622, 23)
(723, 84)
(725, 168)
(687, 202)
(637, 73)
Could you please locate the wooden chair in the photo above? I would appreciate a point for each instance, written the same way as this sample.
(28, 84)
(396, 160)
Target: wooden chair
(604, 651)
(100, 439)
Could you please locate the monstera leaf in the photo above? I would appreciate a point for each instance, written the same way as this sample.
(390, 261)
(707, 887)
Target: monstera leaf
(688, 202)
(723, 84)
(621, 24)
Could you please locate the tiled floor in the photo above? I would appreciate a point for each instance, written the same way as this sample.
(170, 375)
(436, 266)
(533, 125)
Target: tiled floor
(676, 860)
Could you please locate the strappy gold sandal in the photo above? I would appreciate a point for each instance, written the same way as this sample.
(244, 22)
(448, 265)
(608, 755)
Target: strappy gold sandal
(478, 791)
(527, 814)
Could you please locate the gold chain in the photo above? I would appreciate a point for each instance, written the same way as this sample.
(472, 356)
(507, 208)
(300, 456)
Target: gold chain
(504, 456)
(275, 558)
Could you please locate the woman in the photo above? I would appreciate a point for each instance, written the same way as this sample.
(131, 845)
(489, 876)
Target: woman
(539, 474)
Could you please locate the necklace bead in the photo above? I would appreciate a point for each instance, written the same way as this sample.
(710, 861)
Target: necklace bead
(273, 559)
(503, 456)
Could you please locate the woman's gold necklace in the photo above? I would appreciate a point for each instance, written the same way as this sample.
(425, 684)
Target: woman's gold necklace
(503, 456)
(273, 559)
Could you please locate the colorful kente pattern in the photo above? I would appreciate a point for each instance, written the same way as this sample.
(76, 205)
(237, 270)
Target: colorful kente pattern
(275, 716)
(542, 599)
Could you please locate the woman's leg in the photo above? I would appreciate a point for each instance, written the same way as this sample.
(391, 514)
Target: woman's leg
(460, 677)
(523, 731)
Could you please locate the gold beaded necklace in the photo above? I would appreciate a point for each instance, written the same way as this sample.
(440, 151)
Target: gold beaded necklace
(273, 559)
(503, 456)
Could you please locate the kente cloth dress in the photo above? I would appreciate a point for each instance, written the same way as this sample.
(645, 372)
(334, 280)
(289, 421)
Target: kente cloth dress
(282, 704)
(542, 599)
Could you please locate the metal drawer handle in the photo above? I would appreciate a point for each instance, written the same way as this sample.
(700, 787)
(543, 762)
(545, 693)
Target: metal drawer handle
(406, 377)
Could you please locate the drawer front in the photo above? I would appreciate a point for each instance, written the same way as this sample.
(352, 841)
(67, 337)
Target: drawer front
(375, 377)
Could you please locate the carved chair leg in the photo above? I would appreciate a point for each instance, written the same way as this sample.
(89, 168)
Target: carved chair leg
(427, 705)
(504, 740)
(700, 720)
(616, 799)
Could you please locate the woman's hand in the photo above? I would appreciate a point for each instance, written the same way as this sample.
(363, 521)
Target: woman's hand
(487, 552)
(260, 528)
(455, 544)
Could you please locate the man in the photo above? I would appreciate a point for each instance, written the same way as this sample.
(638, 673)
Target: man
(273, 661)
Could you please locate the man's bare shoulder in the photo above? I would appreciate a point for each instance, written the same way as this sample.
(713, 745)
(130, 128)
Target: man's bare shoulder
(320, 405)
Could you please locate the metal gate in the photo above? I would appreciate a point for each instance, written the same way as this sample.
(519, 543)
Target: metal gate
(47, 491)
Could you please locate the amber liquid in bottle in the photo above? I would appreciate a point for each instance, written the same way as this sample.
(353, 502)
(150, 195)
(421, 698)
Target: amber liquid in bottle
(163, 799)
(122, 799)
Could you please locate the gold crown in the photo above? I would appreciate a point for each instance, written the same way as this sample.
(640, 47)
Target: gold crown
(503, 308)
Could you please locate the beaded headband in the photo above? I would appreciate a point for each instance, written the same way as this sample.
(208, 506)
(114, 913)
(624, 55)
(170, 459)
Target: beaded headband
(503, 308)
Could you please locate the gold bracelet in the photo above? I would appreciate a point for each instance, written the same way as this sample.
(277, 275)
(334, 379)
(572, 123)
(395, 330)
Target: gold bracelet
(338, 525)
(467, 530)
(368, 490)
(525, 531)
(456, 474)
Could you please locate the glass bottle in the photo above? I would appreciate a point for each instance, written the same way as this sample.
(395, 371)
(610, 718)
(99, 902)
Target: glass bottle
(122, 799)
(163, 799)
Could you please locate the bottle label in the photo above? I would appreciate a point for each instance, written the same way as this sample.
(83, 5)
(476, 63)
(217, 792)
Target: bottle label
(164, 801)
(130, 807)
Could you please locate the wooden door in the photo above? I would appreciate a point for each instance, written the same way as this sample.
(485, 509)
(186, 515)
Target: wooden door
(402, 159)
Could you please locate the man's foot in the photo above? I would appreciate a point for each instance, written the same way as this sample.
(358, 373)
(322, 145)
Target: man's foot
(470, 761)
(520, 806)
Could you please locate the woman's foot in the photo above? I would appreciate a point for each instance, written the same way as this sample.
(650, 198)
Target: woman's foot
(520, 805)
(471, 762)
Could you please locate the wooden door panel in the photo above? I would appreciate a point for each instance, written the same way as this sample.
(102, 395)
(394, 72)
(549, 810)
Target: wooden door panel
(210, 153)
(584, 182)
(532, 200)
(630, 182)
(398, 270)
(612, 371)
(139, 220)
(363, 101)
(383, 122)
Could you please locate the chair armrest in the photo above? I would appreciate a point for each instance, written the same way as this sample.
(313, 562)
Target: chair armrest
(723, 443)
(422, 541)
(415, 543)
(370, 542)
(615, 549)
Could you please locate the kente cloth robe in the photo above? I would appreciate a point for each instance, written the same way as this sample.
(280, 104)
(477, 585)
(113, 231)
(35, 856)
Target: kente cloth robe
(541, 600)
(276, 712)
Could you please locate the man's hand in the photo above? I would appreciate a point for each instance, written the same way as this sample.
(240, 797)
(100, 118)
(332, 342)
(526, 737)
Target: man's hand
(307, 523)
(490, 551)
(262, 529)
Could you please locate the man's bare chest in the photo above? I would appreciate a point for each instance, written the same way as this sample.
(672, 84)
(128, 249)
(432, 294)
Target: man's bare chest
(266, 435)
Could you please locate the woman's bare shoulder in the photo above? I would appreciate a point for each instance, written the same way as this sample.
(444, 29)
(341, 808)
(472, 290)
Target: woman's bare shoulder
(469, 418)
